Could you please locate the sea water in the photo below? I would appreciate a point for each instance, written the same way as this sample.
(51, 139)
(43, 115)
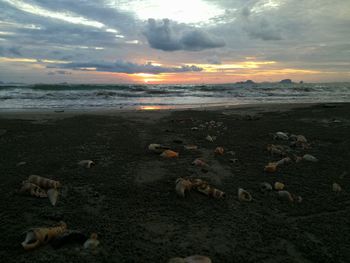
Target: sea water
(85, 97)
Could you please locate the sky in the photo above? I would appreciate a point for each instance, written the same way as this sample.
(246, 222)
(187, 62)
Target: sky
(168, 41)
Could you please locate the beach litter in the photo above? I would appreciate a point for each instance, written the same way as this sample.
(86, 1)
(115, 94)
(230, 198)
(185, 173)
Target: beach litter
(336, 187)
(169, 154)
(244, 196)
(86, 163)
(41, 236)
(191, 259)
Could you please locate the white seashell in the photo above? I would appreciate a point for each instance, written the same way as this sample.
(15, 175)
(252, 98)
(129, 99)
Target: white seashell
(336, 187)
(182, 185)
(52, 194)
(283, 161)
(285, 195)
(244, 195)
(86, 163)
(209, 138)
(265, 187)
(310, 158)
(92, 242)
(281, 136)
(157, 148)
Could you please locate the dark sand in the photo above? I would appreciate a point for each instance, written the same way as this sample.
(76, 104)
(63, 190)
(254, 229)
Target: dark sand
(129, 197)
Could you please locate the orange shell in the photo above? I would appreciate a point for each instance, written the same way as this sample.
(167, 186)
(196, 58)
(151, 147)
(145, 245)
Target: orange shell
(169, 154)
(271, 168)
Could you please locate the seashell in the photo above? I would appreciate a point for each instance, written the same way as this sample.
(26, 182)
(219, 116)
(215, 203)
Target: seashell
(281, 136)
(92, 242)
(200, 163)
(271, 168)
(285, 195)
(44, 182)
(41, 236)
(191, 147)
(32, 190)
(157, 148)
(219, 151)
(52, 194)
(244, 195)
(86, 163)
(301, 139)
(336, 187)
(209, 138)
(204, 188)
(310, 158)
(275, 149)
(169, 154)
(283, 161)
(197, 259)
(297, 198)
(278, 186)
(265, 187)
(182, 185)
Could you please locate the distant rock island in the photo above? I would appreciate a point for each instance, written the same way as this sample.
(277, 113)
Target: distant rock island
(286, 81)
(246, 82)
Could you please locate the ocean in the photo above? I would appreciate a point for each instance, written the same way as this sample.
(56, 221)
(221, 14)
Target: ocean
(90, 97)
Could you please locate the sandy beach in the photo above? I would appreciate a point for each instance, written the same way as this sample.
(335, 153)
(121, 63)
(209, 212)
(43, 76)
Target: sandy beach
(129, 197)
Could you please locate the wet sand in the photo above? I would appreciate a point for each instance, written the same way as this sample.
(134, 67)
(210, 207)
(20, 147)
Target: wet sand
(128, 198)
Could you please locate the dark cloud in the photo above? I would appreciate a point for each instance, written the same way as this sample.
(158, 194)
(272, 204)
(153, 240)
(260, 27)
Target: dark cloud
(214, 60)
(59, 72)
(127, 67)
(171, 36)
(262, 29)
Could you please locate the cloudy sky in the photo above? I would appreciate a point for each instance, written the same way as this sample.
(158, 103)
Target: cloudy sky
(168, 41)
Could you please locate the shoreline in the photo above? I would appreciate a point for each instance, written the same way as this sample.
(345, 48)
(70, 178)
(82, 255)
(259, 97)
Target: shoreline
(241, 108)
